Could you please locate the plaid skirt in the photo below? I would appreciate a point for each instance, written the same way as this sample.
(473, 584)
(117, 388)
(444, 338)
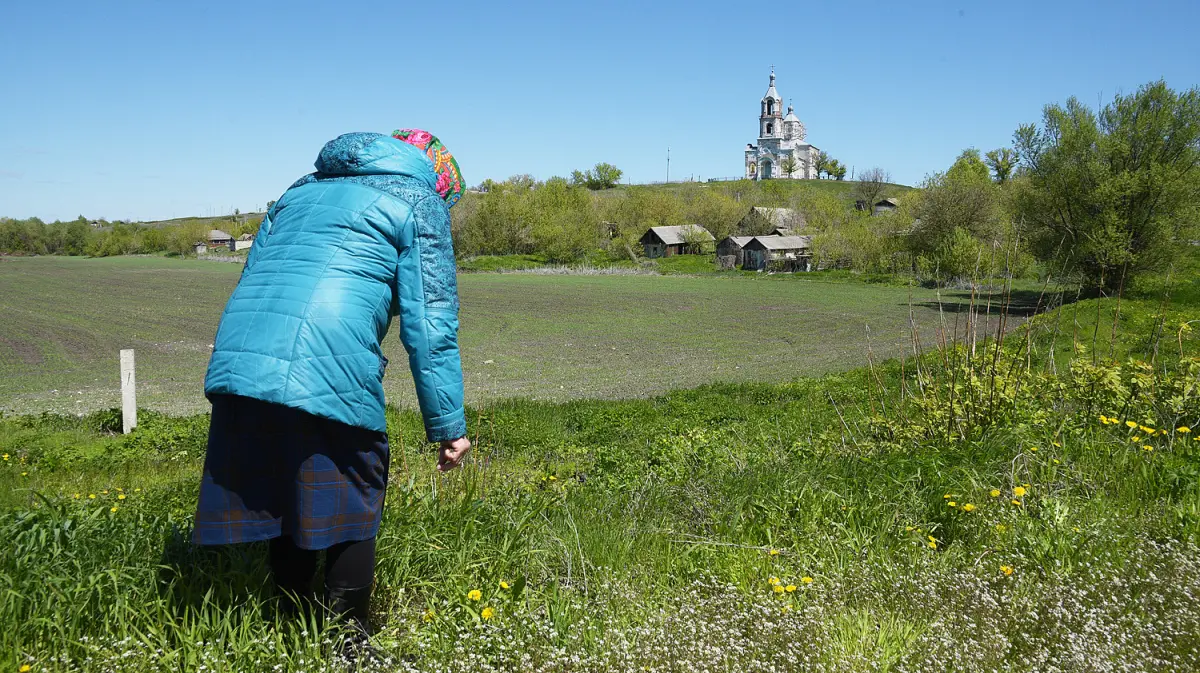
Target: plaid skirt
(272, 470)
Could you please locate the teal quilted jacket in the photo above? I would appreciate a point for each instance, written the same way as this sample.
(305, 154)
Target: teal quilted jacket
(343, 251)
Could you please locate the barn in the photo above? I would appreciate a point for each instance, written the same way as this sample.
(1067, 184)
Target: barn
(730, 251)
(778, 253)
(687, 239)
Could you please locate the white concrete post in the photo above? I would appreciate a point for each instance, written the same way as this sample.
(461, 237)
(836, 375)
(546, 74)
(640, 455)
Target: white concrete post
(128, 393)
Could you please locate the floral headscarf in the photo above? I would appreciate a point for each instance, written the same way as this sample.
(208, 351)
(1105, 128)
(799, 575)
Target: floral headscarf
(449, 179)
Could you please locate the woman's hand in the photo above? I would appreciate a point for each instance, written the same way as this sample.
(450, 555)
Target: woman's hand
(452, 452)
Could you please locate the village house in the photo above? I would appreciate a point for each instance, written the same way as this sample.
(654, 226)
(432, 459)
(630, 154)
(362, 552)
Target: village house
(759, 220)
(688, 239)
(778, 253)
(216, 237)
(730, 251)
(200, 248)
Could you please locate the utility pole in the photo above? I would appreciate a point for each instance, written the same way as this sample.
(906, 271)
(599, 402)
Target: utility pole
(668, 163)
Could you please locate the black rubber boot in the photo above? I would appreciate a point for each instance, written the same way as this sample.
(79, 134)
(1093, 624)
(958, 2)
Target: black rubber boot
(351, 607)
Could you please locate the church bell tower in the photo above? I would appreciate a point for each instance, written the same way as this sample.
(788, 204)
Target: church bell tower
(770, 121)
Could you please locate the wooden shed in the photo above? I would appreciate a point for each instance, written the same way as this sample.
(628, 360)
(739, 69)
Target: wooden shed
(244, 242)
(885, 206)
(730, 251)
(778, 253)
(687, 239)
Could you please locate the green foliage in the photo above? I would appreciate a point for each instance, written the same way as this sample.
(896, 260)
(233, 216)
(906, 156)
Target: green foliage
(969, 168)
(1003, 162)
(1116, 194)
(601, 176)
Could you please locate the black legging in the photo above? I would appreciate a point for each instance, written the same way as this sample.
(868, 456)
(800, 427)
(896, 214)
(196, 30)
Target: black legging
(349, 565)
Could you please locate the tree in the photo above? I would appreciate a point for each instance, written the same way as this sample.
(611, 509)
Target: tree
(837, 169)
(821, 163)
(872, 183)
(1112, 194)
(969, 166)
(788, 166)
(1003, 162)
(955, 201)
(601, 176)
(270, 205)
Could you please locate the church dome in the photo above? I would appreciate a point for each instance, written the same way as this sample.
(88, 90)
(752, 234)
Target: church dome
(771, 92)
(791, 115)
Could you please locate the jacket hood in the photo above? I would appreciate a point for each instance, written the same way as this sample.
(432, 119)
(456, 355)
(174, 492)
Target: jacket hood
(374, 154)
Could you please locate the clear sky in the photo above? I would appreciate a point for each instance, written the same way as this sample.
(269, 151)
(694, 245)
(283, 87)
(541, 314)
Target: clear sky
(165, 109)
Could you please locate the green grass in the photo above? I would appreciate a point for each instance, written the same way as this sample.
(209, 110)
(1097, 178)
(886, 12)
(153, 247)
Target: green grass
(646, 533)
(523, 335)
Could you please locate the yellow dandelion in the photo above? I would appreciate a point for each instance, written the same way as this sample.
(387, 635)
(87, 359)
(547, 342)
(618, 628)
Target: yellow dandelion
(137, 490)
(932, 538)
(119, 489)
(1147, 447)
(947, 496)
(1007, 570)
(6, 456)
(428, 616)
(1033, 448)
(113, 509)
(774, 552)
(933, 545)
(91, 496)
(773, 580)
(1135, 439)
(968, 507)
(76, 496)
(504, 585)
(909, 528)
(1056, 445)
(1183, 429)
(787, 609)
(24, 474)
(1016, 502)
(25, 668)
(487, 613)
(1147, 430)
(952, 503)
(806, 579)
(474, 594)
(1019, 491)
(1104, 419)
(1056, 461)
(553, 478)
(995, 493)
(777, 589)
(790, 588)
(1131, 424)
(121, 497)
(1000, 528)
(104, 492)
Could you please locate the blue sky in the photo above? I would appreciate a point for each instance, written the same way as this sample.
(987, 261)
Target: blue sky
(166, 109)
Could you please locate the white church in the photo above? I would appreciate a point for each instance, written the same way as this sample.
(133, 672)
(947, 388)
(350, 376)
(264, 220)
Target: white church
(781, 145)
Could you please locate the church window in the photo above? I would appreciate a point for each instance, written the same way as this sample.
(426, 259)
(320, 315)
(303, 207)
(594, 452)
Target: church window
(770, 107)
(768, 128)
